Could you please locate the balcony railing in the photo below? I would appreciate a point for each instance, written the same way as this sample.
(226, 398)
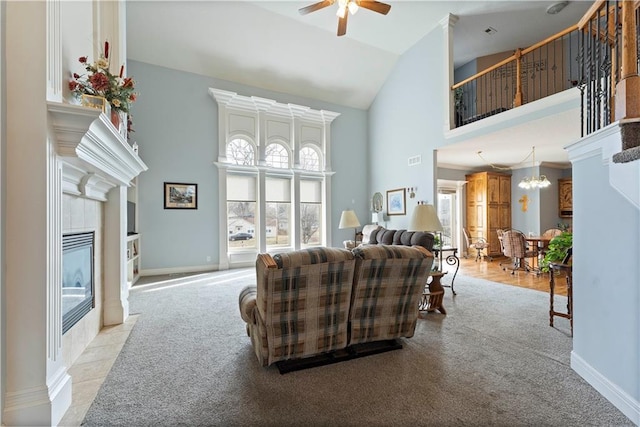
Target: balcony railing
(599, 55)
(546, 68)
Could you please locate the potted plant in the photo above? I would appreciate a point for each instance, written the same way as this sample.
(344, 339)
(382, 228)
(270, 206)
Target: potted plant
(557, 250)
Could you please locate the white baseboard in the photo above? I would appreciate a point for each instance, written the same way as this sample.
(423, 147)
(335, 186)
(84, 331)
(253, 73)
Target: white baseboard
(179, 270)
(614, 394)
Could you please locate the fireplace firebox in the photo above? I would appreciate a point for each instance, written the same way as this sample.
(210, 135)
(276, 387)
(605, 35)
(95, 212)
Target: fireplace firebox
(78, 294)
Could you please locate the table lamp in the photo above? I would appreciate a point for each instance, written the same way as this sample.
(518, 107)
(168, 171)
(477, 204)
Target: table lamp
(425, 218)
(349, 219)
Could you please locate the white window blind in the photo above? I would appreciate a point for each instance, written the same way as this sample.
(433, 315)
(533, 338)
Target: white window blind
(310, 191)
(278, 190)
(241, 188)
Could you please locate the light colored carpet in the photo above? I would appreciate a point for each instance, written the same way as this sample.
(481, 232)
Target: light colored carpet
(492, 361)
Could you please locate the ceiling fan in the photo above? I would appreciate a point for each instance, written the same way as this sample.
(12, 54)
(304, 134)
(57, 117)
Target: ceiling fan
(343, 5)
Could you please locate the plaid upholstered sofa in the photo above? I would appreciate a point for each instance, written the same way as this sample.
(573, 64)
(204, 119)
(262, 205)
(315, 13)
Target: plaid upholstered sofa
(320, 300)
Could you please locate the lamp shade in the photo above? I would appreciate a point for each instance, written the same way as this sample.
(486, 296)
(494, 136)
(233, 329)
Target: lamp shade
(348, 219)
(425, 218)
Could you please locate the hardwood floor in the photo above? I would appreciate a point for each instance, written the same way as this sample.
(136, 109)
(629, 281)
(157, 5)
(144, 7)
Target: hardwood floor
(491, 270)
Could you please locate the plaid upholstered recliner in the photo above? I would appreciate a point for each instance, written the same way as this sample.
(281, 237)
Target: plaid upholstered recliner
(318, 300)
(300, 306)
(387, 287)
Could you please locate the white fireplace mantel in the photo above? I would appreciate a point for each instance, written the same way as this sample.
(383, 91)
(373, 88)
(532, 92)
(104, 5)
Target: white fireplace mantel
(95, 156)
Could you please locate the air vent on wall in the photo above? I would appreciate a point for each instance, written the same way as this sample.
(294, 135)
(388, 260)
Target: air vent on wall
(415, 160)
(490, 30)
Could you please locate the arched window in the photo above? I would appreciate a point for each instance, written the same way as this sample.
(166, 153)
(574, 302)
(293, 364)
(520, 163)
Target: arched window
(309, 159)
(277, 156)
(241, 152)
(272, 168)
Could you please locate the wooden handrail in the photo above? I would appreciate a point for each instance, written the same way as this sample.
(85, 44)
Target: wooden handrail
(550, 39)
(483, 72)
(595, 7)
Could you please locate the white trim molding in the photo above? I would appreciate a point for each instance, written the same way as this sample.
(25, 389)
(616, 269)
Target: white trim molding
(614, 394)
(87, 139)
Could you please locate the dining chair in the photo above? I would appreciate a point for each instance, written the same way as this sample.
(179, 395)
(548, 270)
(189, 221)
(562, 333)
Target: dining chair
(479, 244)
(549, 233)
(516, 248)
(552, 232)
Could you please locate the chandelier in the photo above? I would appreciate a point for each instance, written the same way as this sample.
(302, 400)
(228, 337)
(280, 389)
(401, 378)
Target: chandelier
(533, 182)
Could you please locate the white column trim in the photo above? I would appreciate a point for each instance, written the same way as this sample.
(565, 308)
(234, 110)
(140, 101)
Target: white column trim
(54, 52)
(447, 23)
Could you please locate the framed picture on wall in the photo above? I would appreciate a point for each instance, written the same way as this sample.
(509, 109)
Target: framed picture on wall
(180, 196)
(396, 202)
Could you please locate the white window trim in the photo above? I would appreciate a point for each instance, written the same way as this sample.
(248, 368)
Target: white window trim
(256, 110)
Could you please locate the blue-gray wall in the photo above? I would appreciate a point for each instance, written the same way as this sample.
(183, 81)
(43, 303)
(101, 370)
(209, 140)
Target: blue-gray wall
(606, 277)
(406, 120)
(176, 128)
(542, 208)
(465, 71)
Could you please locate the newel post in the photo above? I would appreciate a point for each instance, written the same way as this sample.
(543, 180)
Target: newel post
(627, 100)
(517, 100)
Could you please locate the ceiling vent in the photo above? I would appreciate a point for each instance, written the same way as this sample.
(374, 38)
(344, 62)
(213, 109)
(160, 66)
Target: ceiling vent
(491, 31)
(557, 7)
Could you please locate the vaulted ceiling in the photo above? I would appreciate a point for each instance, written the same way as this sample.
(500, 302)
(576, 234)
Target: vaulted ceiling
(268, 44)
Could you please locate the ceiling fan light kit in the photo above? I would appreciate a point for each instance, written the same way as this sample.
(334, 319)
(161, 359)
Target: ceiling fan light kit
(557, 7)
(343, 5)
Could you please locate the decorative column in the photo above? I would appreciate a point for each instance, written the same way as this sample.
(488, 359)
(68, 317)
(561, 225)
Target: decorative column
(116, 291)
(36, 386)
(447, 23)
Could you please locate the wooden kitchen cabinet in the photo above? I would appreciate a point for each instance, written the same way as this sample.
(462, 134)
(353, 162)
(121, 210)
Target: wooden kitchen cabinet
(488, 207)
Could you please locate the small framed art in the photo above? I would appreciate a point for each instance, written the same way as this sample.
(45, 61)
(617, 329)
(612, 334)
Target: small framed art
(180, 196)
(396, 202)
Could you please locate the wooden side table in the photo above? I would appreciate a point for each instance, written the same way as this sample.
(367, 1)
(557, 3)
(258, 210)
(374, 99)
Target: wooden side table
(566, 271)
(433, 294)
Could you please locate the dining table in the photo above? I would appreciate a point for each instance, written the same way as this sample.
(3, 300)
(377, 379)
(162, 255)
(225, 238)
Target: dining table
(538, 244)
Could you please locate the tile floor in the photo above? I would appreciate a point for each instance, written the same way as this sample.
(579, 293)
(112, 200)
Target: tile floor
(91, 368)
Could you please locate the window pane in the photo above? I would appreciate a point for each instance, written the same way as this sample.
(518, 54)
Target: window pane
(445, 211)
(277, 156)
(310, 224)
(309, 159)
(240, 152)
(278, 224)
(241, 225)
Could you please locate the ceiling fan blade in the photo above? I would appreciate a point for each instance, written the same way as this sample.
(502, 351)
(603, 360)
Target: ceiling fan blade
(376, 6)
(342, 25)
(315, 6)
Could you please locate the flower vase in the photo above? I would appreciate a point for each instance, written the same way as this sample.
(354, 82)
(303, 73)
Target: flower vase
(119, 120)
(115, 119)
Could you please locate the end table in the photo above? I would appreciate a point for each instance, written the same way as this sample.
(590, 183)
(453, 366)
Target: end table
(433, 294)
